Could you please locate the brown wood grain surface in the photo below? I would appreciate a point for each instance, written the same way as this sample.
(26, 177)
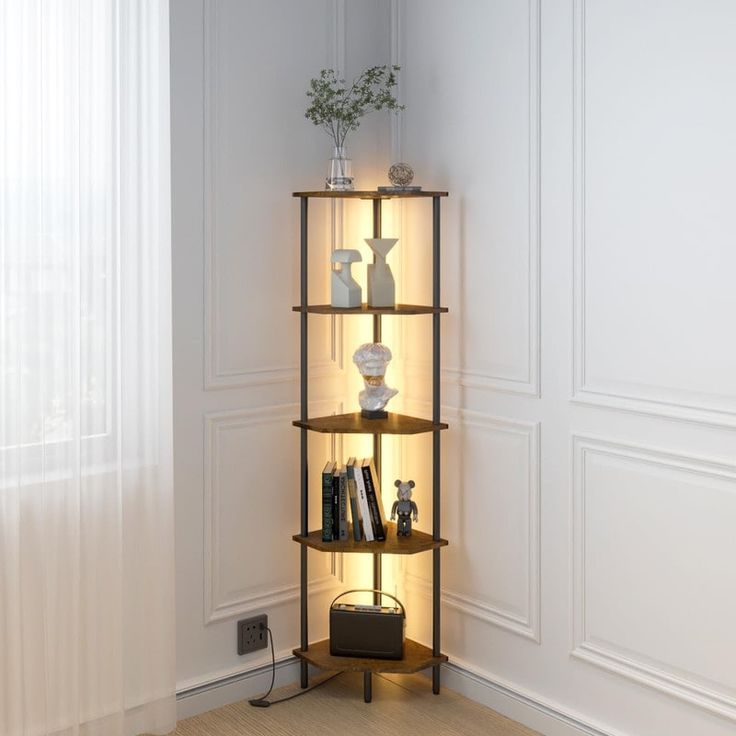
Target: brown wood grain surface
(416, 657)
(355, 423)
(417, 542)
(366, 194)
(398, 309)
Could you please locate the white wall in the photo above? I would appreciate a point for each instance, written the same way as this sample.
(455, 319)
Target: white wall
(589, 149)
(588, 366)
(240, 146)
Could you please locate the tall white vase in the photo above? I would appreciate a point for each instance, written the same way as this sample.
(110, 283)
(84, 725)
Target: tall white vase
(381, 285)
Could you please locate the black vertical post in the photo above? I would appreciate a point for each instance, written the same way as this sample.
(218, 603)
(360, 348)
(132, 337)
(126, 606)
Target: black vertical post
(436, 440)
(367, 687)
(376, 234)
(304, 415)
(377, 573)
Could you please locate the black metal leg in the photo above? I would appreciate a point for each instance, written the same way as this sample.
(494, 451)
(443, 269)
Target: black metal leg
(377, 581)
(304, 575)
(305, 674)
(377, 578)
(367, 687)
(436, 404)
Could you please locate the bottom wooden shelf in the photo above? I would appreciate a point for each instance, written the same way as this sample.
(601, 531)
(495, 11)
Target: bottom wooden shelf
(416, 657)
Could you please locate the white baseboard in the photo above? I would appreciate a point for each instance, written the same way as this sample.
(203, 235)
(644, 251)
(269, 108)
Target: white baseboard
(193, 698)
(525, 707)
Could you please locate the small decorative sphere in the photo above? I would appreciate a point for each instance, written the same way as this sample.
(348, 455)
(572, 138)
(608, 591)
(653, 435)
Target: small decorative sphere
(401, 175)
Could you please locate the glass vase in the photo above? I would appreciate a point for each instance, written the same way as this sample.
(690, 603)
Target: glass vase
(340, 174)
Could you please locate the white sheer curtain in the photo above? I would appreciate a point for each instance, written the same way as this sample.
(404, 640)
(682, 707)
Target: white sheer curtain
(86, 506)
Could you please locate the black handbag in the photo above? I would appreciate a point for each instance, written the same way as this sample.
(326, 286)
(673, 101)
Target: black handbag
(371, 631)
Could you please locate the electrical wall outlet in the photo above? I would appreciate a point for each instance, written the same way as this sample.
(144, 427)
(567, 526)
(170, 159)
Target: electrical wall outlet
(252, 634)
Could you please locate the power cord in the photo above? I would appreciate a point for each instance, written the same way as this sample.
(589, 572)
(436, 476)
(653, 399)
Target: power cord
(262, 702)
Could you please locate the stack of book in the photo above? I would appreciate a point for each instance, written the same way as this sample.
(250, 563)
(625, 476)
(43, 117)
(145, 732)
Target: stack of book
(354, 485)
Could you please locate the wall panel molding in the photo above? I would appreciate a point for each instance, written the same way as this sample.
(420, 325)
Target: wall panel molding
(636, 666)
(396, 27)
(218, 607)
(216, 375)
(529, 625)
(696, 407)
(469, 376)
(337, 32)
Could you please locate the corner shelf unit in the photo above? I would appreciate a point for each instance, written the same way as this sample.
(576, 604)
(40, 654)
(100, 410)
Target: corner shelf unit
(416, 656)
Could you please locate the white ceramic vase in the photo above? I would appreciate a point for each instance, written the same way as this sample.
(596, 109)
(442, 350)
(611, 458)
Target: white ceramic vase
(345, 292)
(381, 285)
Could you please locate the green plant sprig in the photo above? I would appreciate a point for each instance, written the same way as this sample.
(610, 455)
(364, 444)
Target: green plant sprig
(338, 109)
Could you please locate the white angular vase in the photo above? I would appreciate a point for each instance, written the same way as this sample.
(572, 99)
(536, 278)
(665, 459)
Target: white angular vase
(381, 285)
(346, 291)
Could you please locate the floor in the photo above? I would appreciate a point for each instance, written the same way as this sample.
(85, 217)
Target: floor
(402, 705)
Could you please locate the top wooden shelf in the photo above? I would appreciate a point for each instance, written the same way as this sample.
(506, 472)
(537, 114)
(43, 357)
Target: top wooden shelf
(367, 194)
(398, 309)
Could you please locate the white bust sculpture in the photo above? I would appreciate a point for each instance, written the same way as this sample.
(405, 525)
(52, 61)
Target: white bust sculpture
(372, 359)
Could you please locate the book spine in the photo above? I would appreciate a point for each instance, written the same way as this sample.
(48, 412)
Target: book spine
(343, 526)
(327, 506)
(363, 505)
(336, 506)
(377, 491)
(353, 494)
(375, 514)
(357, 527)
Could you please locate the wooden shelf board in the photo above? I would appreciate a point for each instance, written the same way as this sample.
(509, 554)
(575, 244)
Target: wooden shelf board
(417, 542)
(399, 309)
(416, 657)
(356, 424)
(367, 194)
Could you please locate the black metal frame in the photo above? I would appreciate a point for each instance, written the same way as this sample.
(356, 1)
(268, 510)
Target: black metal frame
(304, 415)
(436, 441)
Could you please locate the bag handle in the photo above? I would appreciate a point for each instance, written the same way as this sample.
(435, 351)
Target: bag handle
(370, 590)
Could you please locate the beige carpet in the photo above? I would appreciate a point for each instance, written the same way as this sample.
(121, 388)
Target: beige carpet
(402, 706)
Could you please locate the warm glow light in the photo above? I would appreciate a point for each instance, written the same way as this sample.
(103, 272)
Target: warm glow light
(358, 224)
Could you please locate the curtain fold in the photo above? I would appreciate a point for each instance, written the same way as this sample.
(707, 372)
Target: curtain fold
(86, 497)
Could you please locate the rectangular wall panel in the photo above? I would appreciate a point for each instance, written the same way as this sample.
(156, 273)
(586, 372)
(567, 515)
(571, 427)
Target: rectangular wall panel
(655, 146)
(491, 512)
(258, 148)
(252, 509)
(654, 545)
(472, 122)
